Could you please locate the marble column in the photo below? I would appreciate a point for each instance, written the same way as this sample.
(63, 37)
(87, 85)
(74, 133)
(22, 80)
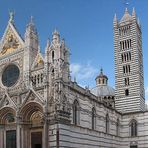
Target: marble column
(1, 137)
(45, 132)
(18, 132)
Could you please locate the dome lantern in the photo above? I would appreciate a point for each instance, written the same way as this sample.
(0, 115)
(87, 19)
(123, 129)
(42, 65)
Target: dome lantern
(101, 79)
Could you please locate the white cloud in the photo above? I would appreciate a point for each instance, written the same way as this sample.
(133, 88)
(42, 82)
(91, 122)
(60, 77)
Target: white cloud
(146, 96)
(146, 91)
(82, 71)
(146, 102)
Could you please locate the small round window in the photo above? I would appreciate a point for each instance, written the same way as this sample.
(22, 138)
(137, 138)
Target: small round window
(10, 75)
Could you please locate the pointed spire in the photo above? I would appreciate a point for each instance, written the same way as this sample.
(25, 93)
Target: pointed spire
(115, 21)
(11, 17)
(63, 43)
(31, 25)
(47, 46)
(55, 32)
(126, 16)
(126, 11)
(48, 43)
(133, 12)
(31, 20)
(55, 37)
(31, 35)
(115, 17)
(47, 50)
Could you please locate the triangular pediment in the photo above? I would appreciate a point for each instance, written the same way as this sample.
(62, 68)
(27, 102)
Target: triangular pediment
(11, 40)
(7, 102)
(32, 96)
(38, 62)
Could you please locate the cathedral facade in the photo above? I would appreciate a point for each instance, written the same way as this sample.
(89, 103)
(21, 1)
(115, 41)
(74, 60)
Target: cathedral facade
(41, 107)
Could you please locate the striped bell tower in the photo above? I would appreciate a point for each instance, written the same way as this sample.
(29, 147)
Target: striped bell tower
(129, 81)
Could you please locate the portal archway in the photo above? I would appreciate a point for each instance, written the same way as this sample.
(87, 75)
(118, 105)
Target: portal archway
(8, 124)
(32, 117)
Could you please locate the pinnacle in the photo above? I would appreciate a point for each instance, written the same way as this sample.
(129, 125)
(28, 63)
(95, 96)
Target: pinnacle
(115, 17)
(134, 12)
(126, 16)
(48, 43)
(55, 31)
(31, 19)
(126, 10)
(11, 17)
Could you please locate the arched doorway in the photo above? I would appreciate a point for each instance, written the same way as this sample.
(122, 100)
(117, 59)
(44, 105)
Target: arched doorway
(32, 117)
(8, 127)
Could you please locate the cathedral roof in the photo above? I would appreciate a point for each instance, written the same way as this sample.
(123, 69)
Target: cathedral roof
(103, 90)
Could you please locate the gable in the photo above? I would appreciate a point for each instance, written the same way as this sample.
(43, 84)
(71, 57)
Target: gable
(38, 62)
(7, 102)
(11, 40)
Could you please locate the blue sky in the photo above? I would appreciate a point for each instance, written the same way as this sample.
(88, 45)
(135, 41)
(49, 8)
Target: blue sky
(86, 25)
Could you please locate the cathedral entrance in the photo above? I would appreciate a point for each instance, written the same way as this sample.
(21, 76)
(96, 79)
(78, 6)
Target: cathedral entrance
(11, 139)
(36, 140)
(32, 114)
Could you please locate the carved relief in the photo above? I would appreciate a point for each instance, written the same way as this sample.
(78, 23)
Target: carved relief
(10, 43)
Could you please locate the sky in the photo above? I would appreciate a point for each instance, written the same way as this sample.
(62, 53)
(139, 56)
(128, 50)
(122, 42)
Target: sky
(86, 26)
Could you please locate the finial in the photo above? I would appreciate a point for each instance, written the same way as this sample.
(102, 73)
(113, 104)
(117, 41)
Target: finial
(134, 12)
(115, 17)
(55, 31)
(31, 25)
(101, 70)
(55, 37)
(126, 10)
(11, 17)
(48, 43)
(31, 19)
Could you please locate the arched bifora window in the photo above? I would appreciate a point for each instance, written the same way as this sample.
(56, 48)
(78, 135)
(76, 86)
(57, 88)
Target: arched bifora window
(93, 118)
(107, 123)
(76, 112)
(133, 128)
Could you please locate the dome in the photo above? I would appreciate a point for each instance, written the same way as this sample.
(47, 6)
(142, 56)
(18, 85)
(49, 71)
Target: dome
(103, 90)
